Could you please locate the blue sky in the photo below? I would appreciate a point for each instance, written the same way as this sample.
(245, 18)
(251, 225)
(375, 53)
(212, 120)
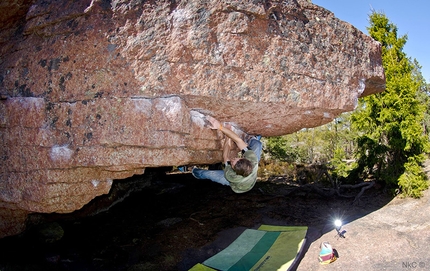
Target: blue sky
(411, 18)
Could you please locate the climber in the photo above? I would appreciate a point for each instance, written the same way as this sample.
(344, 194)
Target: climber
(239, 173)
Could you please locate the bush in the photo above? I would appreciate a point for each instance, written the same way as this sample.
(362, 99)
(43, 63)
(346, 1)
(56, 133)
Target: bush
(276, 168)
(413, 181)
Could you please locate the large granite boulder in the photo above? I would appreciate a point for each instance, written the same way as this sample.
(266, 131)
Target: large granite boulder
(98, 90)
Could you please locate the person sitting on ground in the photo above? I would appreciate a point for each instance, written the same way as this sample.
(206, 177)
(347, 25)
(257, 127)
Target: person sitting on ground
(239, 173)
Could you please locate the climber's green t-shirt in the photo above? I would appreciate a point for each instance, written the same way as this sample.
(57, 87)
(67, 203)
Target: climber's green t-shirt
(238, 183)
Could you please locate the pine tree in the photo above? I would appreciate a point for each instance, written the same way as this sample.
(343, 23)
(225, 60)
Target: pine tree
(392, 144)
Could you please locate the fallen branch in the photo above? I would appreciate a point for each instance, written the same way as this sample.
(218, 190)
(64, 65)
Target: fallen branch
(193, 219)
(369, 185)
(364, 186)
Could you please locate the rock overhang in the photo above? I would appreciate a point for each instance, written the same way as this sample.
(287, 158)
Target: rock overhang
(94, 92)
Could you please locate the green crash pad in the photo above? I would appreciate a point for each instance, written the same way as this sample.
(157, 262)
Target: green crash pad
(268, 248)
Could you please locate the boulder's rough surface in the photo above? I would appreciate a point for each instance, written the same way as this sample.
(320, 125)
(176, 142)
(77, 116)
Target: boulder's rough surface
(93, 91)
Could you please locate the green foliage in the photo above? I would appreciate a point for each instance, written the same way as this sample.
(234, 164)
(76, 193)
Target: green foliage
(339, 163)
(277, 148)
(413, 181)
(392, 142)
(314, 145)
(423, 96)
(285, 149)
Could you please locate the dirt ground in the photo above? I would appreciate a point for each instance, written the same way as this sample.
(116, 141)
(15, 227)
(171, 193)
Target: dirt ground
(179, 221)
